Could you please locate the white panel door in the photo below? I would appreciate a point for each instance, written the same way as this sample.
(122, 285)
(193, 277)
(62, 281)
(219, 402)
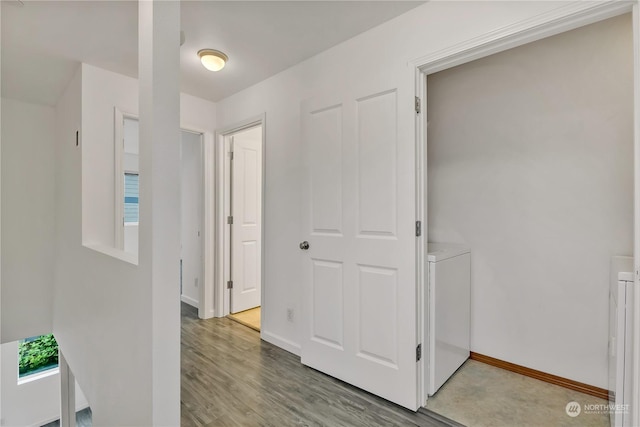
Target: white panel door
(246, 209)
(360, 281)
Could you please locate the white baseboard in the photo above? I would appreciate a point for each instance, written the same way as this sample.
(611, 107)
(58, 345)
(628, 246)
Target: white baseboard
(283, 343)
(189, 301)
(209, 315)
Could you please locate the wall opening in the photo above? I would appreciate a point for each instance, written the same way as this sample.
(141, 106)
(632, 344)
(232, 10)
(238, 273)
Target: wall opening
(530, 164)
(37, 355)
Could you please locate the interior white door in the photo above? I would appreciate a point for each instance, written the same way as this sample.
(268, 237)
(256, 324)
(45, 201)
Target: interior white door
(246, 210)
(360, 281)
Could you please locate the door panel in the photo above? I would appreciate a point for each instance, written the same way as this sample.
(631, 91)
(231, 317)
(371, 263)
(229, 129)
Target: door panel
(327, 303)
(249, 262)
(326, 172)
(377, 164)
(359, 288)
(246, 209)
(250, 182)
(377, 329)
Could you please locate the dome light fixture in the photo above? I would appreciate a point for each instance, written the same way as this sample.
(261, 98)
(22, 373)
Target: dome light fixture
(212, 60)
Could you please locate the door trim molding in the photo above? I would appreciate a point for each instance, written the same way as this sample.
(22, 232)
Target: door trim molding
(635, 358)
(219, 168)
(562, 19)
(565, 18)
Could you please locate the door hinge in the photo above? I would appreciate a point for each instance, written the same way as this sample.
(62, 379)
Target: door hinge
(230, 284)
(417, 105)
(418, 228)
(231, 154)
(230, 219)
(418, 352)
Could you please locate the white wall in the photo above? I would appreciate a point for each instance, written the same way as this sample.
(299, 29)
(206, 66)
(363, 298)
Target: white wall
(102, 304)
(191, 203)
(131, 144)
(28, 141)
(131, 162)
(98, 101)
(424, 30)
(33, 403)
(530, 163)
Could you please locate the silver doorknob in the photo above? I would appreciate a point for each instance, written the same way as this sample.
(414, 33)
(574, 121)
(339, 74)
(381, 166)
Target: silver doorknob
(304, 245)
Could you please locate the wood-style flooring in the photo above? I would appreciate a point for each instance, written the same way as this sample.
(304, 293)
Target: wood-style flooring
(232, 378)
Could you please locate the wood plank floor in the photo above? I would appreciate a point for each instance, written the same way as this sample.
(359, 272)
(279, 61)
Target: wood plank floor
(232, 378)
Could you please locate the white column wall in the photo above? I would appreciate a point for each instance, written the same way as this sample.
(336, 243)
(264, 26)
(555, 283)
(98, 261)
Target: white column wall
(159, 244)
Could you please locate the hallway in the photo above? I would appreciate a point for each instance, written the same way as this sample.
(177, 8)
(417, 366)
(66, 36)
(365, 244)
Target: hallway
(231, 378)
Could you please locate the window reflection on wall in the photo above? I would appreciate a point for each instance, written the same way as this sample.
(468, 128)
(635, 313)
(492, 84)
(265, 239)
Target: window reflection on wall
(131, 211)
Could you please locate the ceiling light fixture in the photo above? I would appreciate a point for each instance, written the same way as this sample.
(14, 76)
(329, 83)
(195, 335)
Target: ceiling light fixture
(212, 60)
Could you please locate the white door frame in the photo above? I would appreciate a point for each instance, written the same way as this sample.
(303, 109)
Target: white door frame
(207, 246)
(222, 209)
(205, 299)
(562, 19)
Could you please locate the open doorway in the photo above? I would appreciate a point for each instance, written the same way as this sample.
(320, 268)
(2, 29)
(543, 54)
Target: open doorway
(191, 218)
(530, 165)
(127, 180)
(243, 230)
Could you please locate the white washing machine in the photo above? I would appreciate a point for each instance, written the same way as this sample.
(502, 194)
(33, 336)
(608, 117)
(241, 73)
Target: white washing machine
(449, 319)
(620, 341)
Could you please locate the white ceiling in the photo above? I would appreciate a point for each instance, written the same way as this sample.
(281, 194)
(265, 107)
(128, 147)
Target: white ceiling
(43, 41)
